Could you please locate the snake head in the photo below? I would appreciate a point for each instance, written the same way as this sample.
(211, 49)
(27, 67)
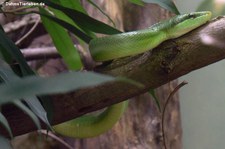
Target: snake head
(183, 24)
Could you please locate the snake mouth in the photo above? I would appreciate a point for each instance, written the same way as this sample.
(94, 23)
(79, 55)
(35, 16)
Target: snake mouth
(203, 13)
(183, 24)
(197, 17)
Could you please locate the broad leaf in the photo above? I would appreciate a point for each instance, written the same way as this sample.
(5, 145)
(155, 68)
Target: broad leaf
(7, 75)
(4, 55)
(82, 20)
(5, 123)
(167, 4)
(72, 4)
(63, 43)
(67, 26)
(8, 46)
(38, 109)
(26, 110)
(152, 92)
(61, 83)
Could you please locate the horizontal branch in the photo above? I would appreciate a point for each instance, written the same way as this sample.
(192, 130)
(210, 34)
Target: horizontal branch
(40, 53)
(167, 62)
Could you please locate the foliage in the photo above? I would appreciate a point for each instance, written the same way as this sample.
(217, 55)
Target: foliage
(167, 4)
(22, 84)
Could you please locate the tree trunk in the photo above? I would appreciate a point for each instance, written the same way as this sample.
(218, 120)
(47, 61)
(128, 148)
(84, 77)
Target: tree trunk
(141, 125)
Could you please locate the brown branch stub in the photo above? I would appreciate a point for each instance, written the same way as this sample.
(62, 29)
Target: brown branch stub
(169, 61)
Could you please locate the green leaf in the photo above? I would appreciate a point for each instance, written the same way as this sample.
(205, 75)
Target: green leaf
(4, 74)
(61, 83)
(12, 52)
(38, 109)
(82, 20)
(1, 28)
(152, 92)
(4, 55)
(63, 43)
(47, 104)
(137, 2)
(66, 25)
(64, 17)
(72, 4)
(8, 46)
(8, 75)
(167, 4)
(5, 123)
(5, 144)
(26, 110)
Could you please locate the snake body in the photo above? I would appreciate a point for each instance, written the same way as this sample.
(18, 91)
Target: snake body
(122, 45)
(91, 126)
(136, 42)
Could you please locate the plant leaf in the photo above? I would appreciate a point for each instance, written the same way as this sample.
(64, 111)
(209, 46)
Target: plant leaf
(66, 25)
(137, 2)
(167, 4)
(63, 43)
(7, 75)
(82, 20)
(4, 55)
(5, 123)
(38, 109)
(8, 46)
(47, 105)
(152, 92)
(5, 144)
(61, 83)
(72, 4)
(20, 105)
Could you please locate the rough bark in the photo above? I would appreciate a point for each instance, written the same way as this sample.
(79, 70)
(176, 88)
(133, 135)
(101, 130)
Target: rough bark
(167, 62)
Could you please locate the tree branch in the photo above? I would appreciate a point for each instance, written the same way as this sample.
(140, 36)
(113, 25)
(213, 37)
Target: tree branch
(40, 53)
(168, 61)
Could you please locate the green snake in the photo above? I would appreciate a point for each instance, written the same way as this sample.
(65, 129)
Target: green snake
(122, 45)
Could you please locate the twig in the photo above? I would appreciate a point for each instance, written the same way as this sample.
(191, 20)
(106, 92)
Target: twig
(40, 53)
(29, 32)
(19, 9)
(50, 134)
(164, 109)
(16, 25)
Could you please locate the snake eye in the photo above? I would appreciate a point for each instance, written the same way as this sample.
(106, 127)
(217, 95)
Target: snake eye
(191, 15)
